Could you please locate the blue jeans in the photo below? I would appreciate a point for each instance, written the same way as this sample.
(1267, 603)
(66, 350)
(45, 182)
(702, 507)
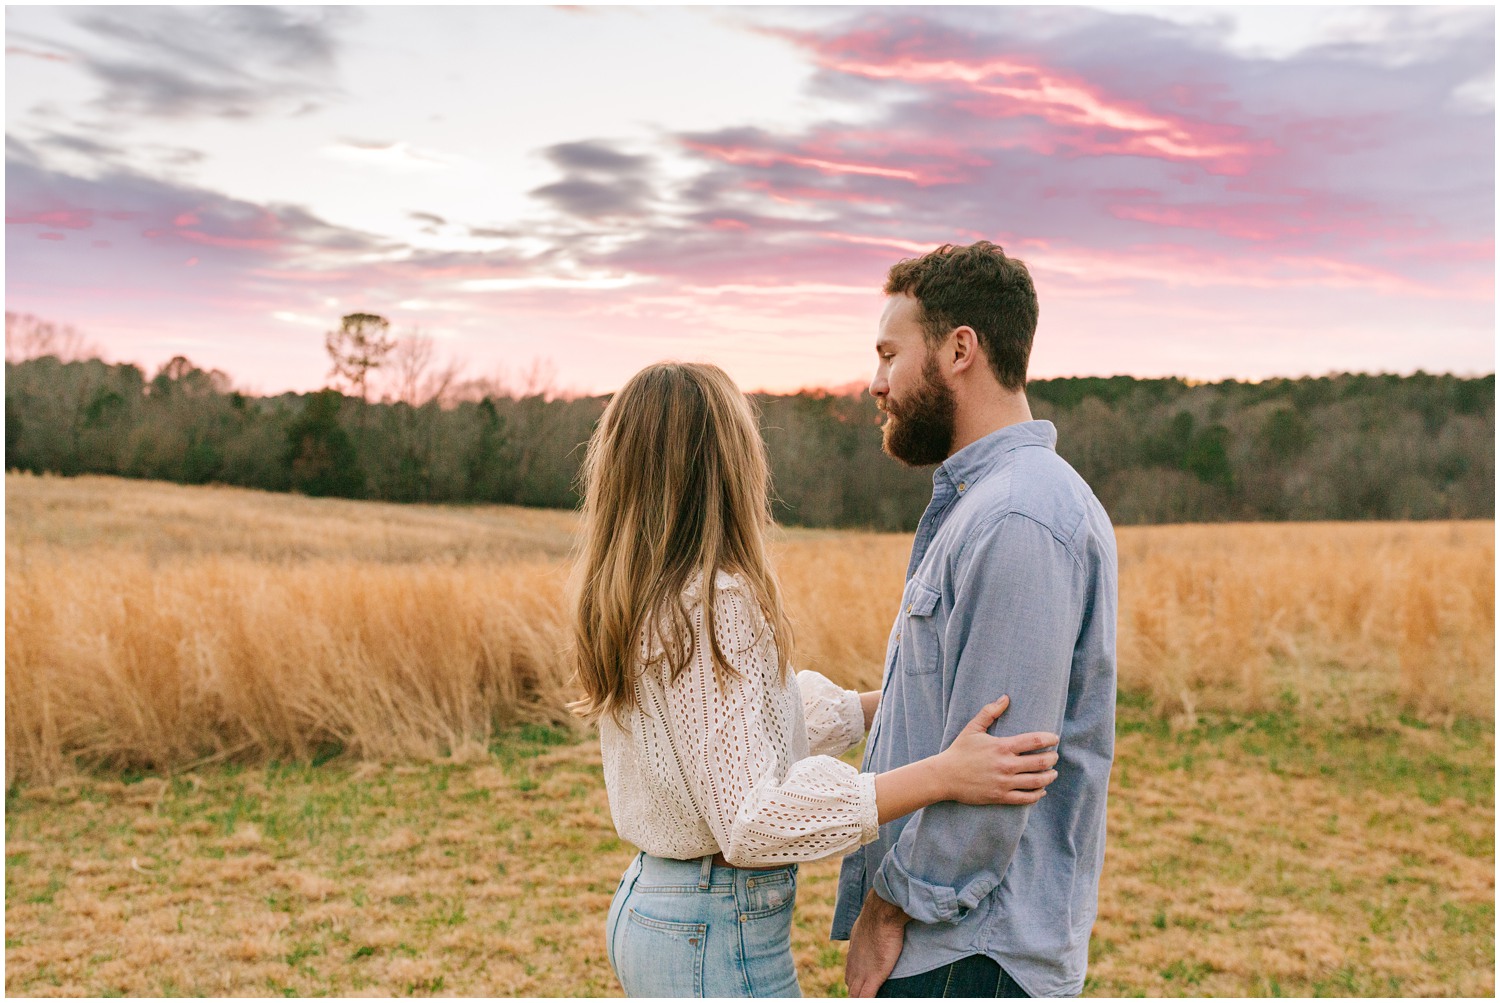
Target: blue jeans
(688, 928)
(974, 976)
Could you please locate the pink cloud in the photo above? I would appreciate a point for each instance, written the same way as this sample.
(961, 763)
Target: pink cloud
(51, 57)
(68, 219)
(1263, 222)
(1081, 116)
(791, 194)
(1184, 265)
(216, 240)
(895, 243)
(1452, 252)
(736, 154)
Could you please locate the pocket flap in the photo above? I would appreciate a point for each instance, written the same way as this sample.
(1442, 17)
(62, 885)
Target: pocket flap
(922, 599)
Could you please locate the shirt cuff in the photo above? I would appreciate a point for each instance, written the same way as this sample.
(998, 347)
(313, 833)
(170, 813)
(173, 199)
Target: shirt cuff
(852, 713)
(921, 901)
(869, 811)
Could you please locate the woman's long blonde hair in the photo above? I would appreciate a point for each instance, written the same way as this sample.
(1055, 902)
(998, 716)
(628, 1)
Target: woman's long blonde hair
(676, 485)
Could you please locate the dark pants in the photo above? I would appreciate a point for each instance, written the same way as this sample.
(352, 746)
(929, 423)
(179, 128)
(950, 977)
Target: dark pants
(973, 976)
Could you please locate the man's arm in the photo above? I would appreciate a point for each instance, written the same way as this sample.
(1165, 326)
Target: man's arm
(1019, 597)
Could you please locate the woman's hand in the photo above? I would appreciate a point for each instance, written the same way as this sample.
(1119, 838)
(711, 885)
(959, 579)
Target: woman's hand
(979, 768)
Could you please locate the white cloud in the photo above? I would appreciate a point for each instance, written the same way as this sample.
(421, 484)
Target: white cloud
(397, 156)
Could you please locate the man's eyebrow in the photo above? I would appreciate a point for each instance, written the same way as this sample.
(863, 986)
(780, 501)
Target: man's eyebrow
(884, 343)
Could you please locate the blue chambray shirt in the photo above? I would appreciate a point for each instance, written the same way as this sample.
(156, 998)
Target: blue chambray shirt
(1010, 590)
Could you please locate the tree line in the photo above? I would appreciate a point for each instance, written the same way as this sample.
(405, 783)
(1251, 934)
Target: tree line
(1348, 446)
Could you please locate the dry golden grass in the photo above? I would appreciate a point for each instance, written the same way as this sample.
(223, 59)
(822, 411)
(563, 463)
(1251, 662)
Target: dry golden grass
(172, 522)
(158, 625)
(155, 625)
(1343, 616)
(1286, 816)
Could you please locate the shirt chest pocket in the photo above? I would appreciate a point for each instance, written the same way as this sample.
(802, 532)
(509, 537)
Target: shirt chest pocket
(918, 639)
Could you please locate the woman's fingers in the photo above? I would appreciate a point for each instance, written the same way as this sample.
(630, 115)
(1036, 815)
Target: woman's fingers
(988, 715)
(1035, 763)
(1014, 765)
(1032, 781)
(1022, 797)
(1031, 741)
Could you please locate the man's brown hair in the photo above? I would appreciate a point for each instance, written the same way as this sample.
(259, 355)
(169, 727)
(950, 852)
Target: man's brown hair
(975, 286)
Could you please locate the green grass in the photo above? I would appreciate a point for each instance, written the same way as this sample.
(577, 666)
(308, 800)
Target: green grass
(491, 878)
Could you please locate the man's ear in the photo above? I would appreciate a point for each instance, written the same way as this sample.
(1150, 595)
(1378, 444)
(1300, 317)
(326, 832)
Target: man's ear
(965, 348)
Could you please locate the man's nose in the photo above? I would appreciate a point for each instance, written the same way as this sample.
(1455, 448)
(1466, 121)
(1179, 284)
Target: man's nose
(879, 386)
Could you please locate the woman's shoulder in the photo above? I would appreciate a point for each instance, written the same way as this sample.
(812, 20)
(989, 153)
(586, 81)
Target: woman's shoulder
(727, 584)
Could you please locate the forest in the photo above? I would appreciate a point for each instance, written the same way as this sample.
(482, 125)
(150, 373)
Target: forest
(397, 425)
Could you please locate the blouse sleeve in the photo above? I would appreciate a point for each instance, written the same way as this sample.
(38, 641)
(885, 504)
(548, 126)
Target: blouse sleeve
(835, 718)
(733, 735)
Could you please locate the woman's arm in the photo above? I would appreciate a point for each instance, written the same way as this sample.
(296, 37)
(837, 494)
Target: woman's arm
(976, 769)
(835, 717)
(869, 702)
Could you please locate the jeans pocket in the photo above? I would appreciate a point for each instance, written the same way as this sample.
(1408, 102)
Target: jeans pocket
(661, 957)
(769, 892)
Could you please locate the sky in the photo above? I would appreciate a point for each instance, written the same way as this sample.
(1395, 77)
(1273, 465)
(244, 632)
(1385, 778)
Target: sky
(580, 191)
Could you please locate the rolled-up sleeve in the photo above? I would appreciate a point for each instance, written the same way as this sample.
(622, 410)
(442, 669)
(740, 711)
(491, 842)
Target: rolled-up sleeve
(1018, 604)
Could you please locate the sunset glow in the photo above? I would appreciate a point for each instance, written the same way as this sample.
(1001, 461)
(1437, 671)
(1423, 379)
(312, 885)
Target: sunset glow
(598, 188)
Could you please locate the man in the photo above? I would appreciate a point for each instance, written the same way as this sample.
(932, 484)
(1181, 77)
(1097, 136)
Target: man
(1010, 590)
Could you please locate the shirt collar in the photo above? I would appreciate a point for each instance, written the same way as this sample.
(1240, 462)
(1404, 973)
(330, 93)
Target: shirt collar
(965, 467)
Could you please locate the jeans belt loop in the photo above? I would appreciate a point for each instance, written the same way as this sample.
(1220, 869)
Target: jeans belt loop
(706, 873)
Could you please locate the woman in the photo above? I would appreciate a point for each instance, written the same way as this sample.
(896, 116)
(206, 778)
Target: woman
(720, 765)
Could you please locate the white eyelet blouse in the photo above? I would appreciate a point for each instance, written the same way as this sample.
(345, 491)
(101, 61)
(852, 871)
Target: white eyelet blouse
(746, 769)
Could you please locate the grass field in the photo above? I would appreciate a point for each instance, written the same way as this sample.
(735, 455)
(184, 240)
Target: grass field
(1302, 799)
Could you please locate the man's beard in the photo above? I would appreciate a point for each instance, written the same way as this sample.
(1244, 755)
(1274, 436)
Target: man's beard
(918, 429)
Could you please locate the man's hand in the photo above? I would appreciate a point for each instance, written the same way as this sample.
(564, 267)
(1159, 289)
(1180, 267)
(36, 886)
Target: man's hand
(874, 946)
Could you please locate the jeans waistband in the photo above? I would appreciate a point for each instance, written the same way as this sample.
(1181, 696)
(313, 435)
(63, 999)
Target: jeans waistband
(701, 871)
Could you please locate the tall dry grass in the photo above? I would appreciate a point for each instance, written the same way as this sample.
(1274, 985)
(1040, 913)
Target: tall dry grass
(123, 663)
(155, 625)
(1343, 617)
(159, 625)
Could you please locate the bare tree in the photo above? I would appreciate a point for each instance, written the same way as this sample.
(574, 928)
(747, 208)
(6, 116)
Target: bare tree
(31, 337)
(539, 380)
(416, 378)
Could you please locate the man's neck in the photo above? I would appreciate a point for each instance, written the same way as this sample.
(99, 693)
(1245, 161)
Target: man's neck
(989, 414)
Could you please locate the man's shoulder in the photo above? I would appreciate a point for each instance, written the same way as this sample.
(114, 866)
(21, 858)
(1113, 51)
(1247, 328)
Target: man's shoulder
(1038, 485)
